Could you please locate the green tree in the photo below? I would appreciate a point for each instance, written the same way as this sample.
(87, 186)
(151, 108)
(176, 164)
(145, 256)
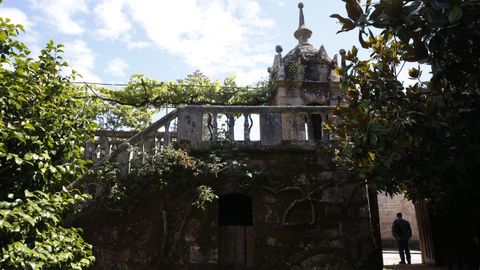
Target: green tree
(421, 139)
(42, 129)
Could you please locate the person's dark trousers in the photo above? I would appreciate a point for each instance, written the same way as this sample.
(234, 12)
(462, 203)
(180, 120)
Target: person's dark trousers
(403, 249)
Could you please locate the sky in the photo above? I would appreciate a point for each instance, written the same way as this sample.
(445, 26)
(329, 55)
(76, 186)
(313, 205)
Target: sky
(110, 40)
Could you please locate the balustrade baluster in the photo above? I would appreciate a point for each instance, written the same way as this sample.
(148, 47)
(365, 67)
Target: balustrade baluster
(123, 162)
(155, 143)
(95, 152)
(114, 144)
(143, 147)
(209, 126)
(148, 145)
(214, 127)
(166, 135)
(231, 127)
(101, 144)
(106, 146)
(247, 125)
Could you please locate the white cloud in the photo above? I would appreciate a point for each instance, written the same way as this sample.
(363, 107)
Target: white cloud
(251, 77)
(82, 59)
(16, 16)
(219, 37)
(117, 67)
(116, 24)
(131, 44)
(60, 14)
(114, 20)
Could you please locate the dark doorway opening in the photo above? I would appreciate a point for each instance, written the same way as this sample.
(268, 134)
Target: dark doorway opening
(317, 127)
(236, 235)
(234, 210)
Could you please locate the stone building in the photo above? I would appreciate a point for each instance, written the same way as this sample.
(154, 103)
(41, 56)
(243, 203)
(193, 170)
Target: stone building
(388, 208)
(307, 213)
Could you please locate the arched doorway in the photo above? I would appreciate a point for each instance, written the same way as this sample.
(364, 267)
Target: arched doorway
(236, 236)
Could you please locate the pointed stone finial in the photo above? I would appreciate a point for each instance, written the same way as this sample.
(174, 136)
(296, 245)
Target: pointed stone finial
(301, 21)
(302, 33)
(342, 57)
(335, 61)
(277, 71)
(322, 54)
(278, 49)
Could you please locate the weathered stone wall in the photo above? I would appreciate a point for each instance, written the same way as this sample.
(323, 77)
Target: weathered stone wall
(388, 209)
(307, 214)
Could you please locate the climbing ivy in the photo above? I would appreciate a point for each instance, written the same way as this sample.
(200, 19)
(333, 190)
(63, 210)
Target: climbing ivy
(171, 169)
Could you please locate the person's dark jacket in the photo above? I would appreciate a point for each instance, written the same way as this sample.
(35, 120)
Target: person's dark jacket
(401, 229)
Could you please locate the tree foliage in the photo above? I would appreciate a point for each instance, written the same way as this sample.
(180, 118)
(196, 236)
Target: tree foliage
(32, 237)
(196, 89)
(172, 170)
(42, 125)
(133, 106)
(45, 121)
(421, 139)
(42, 129)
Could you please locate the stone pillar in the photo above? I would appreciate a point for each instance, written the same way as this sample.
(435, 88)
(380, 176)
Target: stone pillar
(270, 125)
(190, 123)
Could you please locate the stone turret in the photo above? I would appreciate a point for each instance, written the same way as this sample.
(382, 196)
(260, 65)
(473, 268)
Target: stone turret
(305, 75)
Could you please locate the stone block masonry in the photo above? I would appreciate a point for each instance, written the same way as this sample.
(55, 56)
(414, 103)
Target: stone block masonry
(388, 208)
(305, 214)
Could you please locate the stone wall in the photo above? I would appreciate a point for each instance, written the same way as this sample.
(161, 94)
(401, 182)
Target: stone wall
(307, 214)
(388, 209)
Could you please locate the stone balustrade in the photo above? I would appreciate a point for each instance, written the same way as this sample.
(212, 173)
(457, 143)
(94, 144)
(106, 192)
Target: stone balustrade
(201, 127)
(110, 144)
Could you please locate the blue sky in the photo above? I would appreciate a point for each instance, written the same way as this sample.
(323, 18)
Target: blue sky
(109, 40)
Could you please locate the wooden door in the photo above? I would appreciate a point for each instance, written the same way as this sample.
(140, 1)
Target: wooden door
(425, 232)
(236, 247)
(236, 238)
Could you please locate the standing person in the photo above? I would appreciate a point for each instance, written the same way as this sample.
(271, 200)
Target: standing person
(402, 232)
